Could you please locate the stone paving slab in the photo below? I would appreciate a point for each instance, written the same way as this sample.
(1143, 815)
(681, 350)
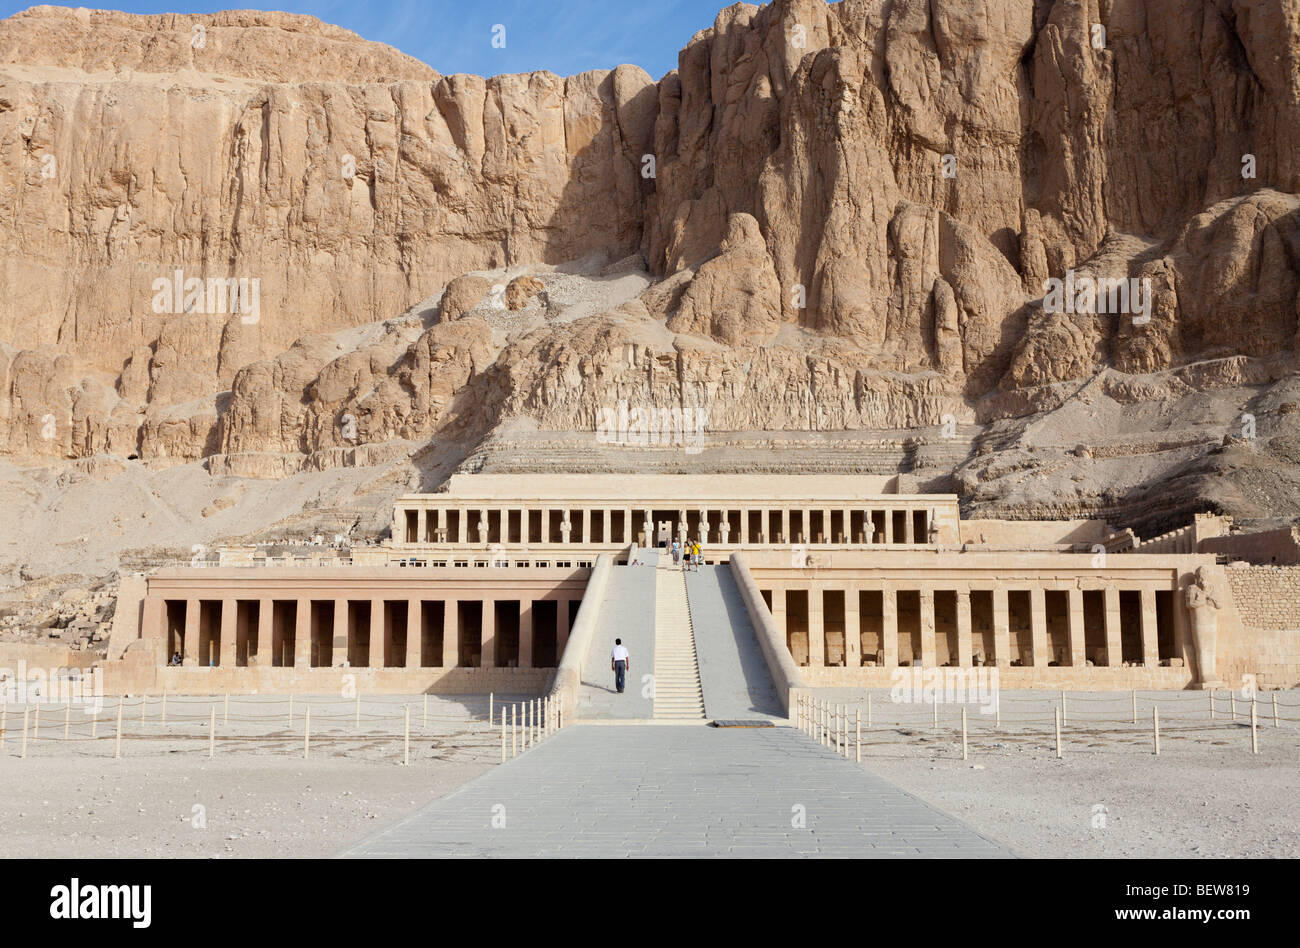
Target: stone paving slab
(644, 791)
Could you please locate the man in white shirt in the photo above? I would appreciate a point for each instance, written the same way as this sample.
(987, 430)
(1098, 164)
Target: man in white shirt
(619, 663)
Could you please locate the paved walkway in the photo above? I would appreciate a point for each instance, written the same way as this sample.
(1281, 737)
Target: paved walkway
(678, 790)
(627, 612)
(737, 683)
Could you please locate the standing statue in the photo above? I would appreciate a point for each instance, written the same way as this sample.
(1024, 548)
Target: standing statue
(1203, 605)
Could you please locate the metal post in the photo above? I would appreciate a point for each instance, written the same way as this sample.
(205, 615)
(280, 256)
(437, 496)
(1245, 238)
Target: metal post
(859, 735)
(1063, 718)
(997, 708)
(117, 751)
(1254, 729)
(514, 732)
(1056, 717)
(503, 735)
(963, 733)
(1211, 694)
(23, 754)
(490, 696)
(212, 734)
(1232, 703)
(1275, 709)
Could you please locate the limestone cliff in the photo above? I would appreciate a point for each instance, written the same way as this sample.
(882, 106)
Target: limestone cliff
(829, 217)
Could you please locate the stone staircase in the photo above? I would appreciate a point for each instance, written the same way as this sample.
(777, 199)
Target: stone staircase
(677, 690)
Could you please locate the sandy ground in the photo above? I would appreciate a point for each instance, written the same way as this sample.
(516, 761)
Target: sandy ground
(1205, 796)
(257, 797)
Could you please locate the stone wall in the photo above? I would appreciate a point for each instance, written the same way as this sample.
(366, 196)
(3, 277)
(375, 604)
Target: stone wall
(1267, 597)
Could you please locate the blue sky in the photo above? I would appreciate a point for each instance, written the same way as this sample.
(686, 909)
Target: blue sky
(564, 36)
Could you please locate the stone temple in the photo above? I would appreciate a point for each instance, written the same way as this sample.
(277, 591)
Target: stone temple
(519, 583)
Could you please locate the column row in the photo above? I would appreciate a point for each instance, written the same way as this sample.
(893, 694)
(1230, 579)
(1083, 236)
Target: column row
(742, 525)
(310, 632)
(892, 625)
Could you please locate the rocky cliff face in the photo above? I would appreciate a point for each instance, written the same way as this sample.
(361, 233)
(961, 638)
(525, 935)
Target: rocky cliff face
(829, 217)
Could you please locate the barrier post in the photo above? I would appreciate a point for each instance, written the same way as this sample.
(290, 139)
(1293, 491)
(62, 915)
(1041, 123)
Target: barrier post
(859, 735)
(212, 733)
(117, 750)
(1135, 706)
(144, 702)
(1211, 694)
(1275, 709)
(934, 703)
(503, 735)
(94, 726)
(23, 753)
(67, 719)
(225, 709)
(514, 732)
(426, 709)
(1056, 717)
(163, 722)
(36, 723)
(1254, 729)
(406, 739)
(290, 710)
(1232, 703)
(963, 732)
(868, 710)
(357, 726)
(1063, 713)
(306, 733)
(1155, 727)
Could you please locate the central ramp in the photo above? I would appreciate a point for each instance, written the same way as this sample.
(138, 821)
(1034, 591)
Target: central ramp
(737, 682)
(647, 791)
(627, 612)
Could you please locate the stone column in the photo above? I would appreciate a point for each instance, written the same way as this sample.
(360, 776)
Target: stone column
(1114, 642)
(586, 526)
(965, 647)
(376, 633)
(778, 614)
(561, 625)
(526, 632)
(1001, 629)
(301, 657)
(265, 631)
(190, 654)
(628, 535)
(785, 525)
(450, 633)
(441, 535)
(852, 629)
(414, 632)
(462, 525)
(1078, 658)
(908, 533)
(929, 657)
(488, 654)
(889, 625)
(1150, 631)
(816, 626)
(229, 621)
(340, 631)
(744, 525)
(889, 526)
(421, 525)
(1038, 619)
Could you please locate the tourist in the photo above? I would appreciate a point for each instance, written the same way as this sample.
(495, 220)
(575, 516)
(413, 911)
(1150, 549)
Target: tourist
(677, 553)
(176, 658)
(695, 555)
(619, 663)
